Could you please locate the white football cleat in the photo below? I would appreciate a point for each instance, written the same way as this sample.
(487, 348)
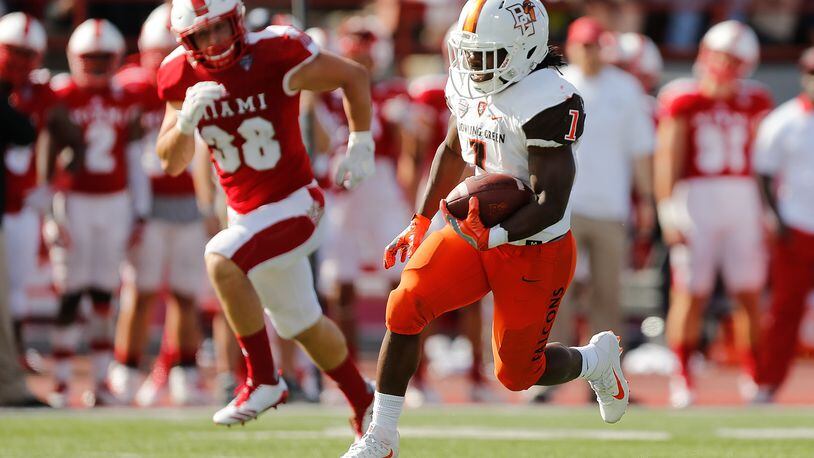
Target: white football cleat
(681, 395)
(251, 402)
(123, 382)
(610, 386)
(58, 398)
(372, 445)
(185, 386)
(153, 387)
(100, 396)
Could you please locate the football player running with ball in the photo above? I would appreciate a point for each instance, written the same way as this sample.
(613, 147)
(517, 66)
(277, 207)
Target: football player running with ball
(513, 113)
(240, 92)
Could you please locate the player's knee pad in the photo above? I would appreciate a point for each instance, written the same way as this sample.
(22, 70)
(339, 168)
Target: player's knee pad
(405, 314)
(68, 308)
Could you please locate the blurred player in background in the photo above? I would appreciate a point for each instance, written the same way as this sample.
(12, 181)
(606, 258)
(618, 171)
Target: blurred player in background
(167, 254)
(365, 217)
(240, 92)
(95, 212)
(22, 44)
(708, 205)
(503, 78)
(784, 164)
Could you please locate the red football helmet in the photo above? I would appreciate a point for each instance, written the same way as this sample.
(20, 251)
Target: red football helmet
(22, 44)
(729, 51)
(95, 50)
(190, 17)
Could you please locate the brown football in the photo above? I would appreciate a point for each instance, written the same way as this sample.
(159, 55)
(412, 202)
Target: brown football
(500, 195)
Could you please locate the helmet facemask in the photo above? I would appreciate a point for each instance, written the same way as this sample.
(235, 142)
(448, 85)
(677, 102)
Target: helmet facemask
(478, 69)
(220, 55)
(94, 69)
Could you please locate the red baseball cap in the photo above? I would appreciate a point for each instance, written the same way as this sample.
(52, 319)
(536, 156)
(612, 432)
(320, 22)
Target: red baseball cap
(585, 30)
(807, 61)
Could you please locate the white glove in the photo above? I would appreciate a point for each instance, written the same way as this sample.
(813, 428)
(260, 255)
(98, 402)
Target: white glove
(198, 97)
(357, 165)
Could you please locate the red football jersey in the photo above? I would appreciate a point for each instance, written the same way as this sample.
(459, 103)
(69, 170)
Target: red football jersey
(105, 116)
(391, 103)
(427, 93)
(33, 99)
(254, 132)
(720, 131)
(140, 81)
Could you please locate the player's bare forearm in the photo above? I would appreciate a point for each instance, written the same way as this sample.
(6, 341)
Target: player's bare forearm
(669, 156)
(445, 174)
(174, 148)
(551, 174)
(643, 178)
(328, 72)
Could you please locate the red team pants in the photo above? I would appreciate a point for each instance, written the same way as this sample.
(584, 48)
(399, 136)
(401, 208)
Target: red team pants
(792, 279)
(528, 283)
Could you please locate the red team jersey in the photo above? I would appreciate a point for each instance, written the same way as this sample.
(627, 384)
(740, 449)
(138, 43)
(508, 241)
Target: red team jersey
(20, 165)
(253, 132)
(105, 116)
(140, 81)
(427, 93)
(720, 131)
(390, 103)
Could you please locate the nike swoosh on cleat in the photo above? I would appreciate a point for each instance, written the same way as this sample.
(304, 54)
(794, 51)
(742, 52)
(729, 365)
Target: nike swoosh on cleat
(621, 394)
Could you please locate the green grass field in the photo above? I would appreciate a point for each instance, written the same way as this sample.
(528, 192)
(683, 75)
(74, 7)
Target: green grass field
(485, 431)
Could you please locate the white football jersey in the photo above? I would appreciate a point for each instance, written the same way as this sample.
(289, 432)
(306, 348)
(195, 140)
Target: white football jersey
(495, 131)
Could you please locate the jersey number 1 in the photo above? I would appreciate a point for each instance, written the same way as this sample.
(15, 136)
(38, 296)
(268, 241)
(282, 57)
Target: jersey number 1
(572, 132)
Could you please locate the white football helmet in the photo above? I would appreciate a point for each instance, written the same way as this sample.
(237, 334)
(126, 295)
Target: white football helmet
(95, 50)
(22, 44)
(156, 40)
(190, 16)
(734, 39)
(638, 55)
(364, 39)
(496, 43)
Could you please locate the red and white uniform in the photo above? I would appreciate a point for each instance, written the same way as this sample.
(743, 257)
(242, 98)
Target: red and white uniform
(22, 223)
(254, 137)
(97, 206)
(716, 200)
(784, 150)
(362, 221)
(173, 236)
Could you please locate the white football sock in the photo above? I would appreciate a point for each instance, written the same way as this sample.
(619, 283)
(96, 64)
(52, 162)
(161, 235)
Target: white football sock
(590, 359)
(386, 411)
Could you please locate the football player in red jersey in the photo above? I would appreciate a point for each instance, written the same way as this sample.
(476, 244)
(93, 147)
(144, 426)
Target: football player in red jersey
(168, 250)
(22, 44)
(708, 205)
(96, 209)
(240, 92)
(357, 221)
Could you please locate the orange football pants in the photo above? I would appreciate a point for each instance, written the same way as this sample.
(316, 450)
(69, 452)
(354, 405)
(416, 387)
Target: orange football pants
(528, 283)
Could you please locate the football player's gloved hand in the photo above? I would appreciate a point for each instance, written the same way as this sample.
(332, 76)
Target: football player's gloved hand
(198, 97)
(407, 242)
(358, 163)
(472, 229)
(55, 234)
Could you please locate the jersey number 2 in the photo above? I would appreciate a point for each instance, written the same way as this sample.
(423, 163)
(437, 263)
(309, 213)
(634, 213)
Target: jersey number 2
(260, 150)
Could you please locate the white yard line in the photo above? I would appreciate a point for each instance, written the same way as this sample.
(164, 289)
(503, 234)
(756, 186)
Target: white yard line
(470, 433)
(765, 433)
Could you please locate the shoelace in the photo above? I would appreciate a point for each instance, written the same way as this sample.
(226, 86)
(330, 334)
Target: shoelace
(369, 447)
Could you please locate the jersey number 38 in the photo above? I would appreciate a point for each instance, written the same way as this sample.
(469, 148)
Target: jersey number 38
(260, 150)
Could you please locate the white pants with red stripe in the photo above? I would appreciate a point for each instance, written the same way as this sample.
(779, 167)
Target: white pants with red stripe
(22, 240)
(98, 226)
(721, 220)
(272, 244)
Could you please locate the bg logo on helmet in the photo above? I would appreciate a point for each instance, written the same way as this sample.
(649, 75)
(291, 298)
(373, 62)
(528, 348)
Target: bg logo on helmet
(524, 17)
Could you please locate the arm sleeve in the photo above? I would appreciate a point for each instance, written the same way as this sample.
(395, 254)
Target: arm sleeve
(556, 126)
(17, 128)
(768, 146)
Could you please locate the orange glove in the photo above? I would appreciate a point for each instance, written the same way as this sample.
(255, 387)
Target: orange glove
(406, 242)
(471, 229)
